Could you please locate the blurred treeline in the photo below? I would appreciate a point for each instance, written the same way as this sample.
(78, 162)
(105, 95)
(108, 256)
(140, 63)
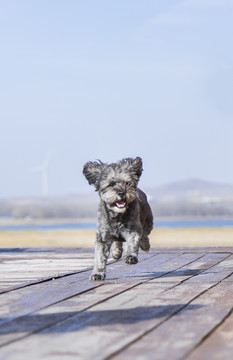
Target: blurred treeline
(74, 207)
(189, 198)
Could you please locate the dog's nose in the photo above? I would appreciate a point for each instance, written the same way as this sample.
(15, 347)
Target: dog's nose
(120, 193)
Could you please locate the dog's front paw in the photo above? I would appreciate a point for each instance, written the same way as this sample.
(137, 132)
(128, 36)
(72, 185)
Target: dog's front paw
(97, 276)
(131, 260)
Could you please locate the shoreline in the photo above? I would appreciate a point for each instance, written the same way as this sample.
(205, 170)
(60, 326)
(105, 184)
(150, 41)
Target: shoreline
(162, 237)
(14, 221)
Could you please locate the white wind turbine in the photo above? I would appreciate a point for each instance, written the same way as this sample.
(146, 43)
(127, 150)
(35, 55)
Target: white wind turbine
(43, 169)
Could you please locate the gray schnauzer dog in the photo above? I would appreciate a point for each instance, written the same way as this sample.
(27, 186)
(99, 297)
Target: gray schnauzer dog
(124, 214)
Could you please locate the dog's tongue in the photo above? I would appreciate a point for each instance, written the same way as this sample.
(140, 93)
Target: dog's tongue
(121, 204)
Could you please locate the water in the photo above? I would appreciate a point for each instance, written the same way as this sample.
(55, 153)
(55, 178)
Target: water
(174, 224)
(194, 224)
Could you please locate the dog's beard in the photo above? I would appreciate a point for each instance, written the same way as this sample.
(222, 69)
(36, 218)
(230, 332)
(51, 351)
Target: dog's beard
(116, 203)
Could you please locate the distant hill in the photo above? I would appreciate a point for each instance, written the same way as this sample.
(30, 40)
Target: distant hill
(192, 190)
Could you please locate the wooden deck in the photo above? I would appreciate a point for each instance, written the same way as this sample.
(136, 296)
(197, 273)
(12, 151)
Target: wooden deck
(174, 304)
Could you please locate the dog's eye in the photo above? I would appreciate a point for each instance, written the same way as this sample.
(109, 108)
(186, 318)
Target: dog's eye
(112, 184)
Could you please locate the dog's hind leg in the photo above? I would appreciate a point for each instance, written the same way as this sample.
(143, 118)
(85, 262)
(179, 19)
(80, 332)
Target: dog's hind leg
(144, 243)
(117, 250)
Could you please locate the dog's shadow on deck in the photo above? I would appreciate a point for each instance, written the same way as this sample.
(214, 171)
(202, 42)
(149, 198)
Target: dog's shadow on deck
(150, 275)
(73, 321)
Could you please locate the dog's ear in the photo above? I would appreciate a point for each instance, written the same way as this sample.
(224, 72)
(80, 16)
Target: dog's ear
(92, 171)
(136, 167)
(133, 166)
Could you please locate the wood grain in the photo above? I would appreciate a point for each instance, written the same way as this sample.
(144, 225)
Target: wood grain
(172, 305)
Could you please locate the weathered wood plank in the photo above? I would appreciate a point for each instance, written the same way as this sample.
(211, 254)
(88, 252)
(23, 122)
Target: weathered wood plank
(44, 264)
(199, 266)
(186, 328)
(218, 272)
(37, 321)
(32, 298)
(191, 249)
(150, 268)
(219, 345)
(19, 296)
(105, 328)
(177, 337)
(9, 330)
(26, 269)
(119, 320)
(22, 268)
(73, 317)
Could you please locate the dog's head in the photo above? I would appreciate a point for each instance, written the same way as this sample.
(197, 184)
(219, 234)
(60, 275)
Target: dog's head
(116, 183)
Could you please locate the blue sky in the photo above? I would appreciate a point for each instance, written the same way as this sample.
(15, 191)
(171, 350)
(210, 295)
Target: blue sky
(86, 80)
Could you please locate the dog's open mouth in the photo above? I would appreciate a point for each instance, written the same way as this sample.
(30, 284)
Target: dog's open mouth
(120, 204)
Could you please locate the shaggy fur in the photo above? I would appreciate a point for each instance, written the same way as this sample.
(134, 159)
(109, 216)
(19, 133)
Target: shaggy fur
(124, 214)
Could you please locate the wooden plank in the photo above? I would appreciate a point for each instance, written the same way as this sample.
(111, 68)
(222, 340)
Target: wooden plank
(176, 338)
(229, 279)
(90, 298)
(219, 345)
(190, 326)
(105, 328)
(197, 249)
(39, 320)
(20, 269)
(203, 263)
(32, 298)
(7, 286)
(18, 275)
(43, 265)
(119, 320)
(145, 270)
(218, 272)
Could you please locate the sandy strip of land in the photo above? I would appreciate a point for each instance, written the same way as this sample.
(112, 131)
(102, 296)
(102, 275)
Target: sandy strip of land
(86, 238)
